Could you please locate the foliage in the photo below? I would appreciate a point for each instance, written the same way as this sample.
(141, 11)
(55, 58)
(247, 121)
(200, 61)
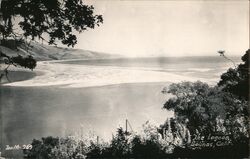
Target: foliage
(119, 144)
(174, 133)
(69, 148)
(236, 81)
(205, 110)
(202, 108)
(201, 111)
(57, 20)
(96, 150)
(191, 105)
(123, 145)
(26, 62)
(238, 150)
(42, 149)
(146, 149)
(148, 143)
(60, 148)
(118, 147)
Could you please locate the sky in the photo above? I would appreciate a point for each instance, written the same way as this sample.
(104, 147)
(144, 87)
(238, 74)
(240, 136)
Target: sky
(169, 28)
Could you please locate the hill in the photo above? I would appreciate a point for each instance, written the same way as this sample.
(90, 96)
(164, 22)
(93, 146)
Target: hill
(42, 52)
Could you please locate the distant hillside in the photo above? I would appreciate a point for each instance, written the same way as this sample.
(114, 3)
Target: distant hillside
(45, 52)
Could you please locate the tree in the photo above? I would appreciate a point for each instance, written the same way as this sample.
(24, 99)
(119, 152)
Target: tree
(23, 21)
(42, 148)
(207, 109)
(148, 143)
(212, 110)
(236, 81)
(119, 144)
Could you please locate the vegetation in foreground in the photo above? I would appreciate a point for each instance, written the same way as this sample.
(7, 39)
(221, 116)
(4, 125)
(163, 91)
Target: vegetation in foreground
(209, 122)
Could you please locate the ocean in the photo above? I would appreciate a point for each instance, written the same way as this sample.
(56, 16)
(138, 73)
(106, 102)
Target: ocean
(197, 66)
(50, 104)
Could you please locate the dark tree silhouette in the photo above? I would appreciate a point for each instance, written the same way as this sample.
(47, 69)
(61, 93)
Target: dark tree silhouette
(236, 81)
(57, 20)
(42, 148)
(208, 109)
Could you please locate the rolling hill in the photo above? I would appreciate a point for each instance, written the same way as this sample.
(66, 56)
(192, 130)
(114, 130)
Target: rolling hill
(42, 52)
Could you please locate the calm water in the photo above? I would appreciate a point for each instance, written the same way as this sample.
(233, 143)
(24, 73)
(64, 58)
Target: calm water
(204, 67)
(34, 112)
(160, 62)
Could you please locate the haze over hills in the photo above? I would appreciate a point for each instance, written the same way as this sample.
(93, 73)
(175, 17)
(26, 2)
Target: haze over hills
(42, 52)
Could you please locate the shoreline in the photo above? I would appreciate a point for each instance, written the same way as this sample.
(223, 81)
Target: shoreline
(18, 75)
(49, 73)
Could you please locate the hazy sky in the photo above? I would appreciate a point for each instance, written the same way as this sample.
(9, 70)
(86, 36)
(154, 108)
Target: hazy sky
(169, 28)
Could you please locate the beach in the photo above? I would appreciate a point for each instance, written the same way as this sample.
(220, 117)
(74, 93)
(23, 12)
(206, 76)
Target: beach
(74, 75)
(59, 99)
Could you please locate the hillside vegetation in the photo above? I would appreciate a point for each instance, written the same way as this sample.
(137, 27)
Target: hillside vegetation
(43, 52)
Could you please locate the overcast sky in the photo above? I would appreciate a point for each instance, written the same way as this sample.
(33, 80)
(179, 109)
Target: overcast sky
(169, 28)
